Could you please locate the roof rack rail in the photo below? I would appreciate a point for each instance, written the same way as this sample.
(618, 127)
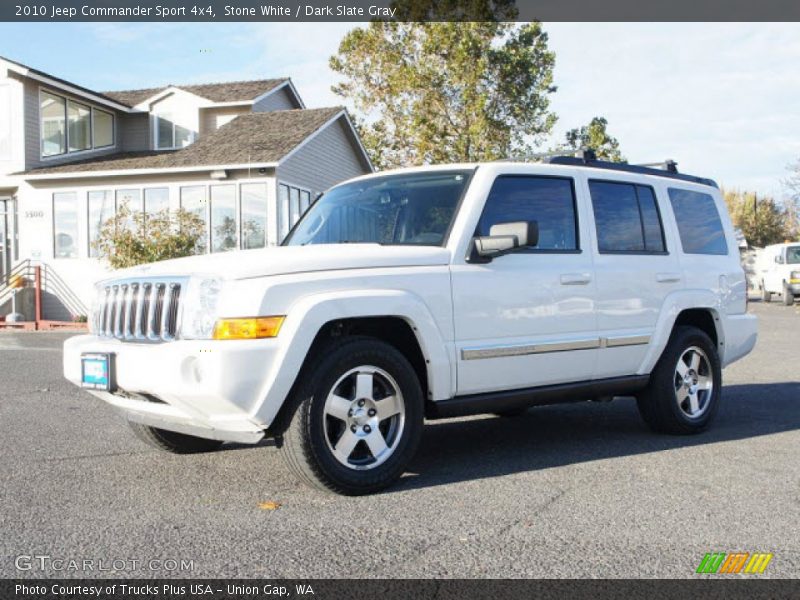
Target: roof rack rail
(587, 157)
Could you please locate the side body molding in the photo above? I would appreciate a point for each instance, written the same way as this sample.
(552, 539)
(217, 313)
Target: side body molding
(309, 314)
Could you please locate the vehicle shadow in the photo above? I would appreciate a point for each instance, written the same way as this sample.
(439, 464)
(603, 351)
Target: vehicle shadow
(553, 436)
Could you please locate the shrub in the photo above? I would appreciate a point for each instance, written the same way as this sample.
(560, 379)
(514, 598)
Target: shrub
(132, 237)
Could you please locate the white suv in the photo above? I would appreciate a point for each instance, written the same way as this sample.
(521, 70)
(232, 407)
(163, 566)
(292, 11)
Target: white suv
(432, 292)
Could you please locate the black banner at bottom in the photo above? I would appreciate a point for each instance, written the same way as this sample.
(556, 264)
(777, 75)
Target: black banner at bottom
(400, 589)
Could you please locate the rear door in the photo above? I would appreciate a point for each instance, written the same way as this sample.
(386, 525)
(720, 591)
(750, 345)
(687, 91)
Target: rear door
(636, 267)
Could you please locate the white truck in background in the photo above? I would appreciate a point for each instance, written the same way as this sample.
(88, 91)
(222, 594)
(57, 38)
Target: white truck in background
(778, 271)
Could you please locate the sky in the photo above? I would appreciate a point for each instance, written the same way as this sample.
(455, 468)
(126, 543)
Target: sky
(722, 99)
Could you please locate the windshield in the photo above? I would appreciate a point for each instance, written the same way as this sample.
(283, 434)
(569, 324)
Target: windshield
(793, 255)
(407, 209)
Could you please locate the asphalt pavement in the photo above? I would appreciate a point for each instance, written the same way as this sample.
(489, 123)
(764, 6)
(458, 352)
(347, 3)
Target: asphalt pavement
(580, 490)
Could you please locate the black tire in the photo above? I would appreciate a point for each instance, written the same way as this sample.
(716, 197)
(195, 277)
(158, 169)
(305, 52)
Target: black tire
(170, 441)
(307, 442)
(658, 403)
(765, 295)
(788, 296)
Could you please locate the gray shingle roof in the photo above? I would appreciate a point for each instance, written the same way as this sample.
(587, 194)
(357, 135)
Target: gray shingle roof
(253, 138)
(232, 91)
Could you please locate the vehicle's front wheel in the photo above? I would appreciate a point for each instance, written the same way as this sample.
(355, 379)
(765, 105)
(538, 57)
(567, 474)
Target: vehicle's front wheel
(170, 441)
(683, 394)
(358, 418)
(788, 296)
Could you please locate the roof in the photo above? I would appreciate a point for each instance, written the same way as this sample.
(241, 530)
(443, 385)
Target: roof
(63, 82)
(250, 139)
(671, 172)
(232, 91)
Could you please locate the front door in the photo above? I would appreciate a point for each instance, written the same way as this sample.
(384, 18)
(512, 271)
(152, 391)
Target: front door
(527, 318)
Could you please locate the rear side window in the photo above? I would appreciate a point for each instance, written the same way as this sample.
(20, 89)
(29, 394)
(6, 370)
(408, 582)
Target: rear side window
(550, 201)
(698, 222)
(626, 218)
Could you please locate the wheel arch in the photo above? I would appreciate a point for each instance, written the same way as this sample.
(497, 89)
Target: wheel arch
(399, 318)
(694, 308)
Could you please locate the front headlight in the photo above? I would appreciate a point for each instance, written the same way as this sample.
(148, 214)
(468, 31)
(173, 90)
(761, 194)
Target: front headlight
(200, 307)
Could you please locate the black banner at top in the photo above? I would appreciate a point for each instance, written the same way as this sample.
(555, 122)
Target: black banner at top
(397, 10)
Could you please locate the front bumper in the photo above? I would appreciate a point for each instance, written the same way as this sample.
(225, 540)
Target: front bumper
(210, 389)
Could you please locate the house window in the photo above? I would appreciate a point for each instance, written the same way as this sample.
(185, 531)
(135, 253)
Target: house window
(79, 122)
(254, 215)
(65, 225)
(193, 200)
(101, 209)
(54, 138)
(103, 129)
(70, 126)
(293, 202)
(170, 135)
(223, 218)
(156, 200)
(132, 200)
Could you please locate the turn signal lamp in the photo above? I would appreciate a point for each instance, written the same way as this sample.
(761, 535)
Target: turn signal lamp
(247, 329)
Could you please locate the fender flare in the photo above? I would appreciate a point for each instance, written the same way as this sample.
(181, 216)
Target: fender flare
(674, 304)
(306, 317)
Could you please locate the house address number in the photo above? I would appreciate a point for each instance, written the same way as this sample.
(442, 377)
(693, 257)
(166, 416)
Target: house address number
(34, 214)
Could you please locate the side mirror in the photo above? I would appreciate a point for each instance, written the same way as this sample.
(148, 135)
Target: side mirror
(526, 232)
(505, 237)
(779, 259)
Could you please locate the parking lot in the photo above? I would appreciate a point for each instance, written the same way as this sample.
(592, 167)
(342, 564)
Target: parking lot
(581, 490)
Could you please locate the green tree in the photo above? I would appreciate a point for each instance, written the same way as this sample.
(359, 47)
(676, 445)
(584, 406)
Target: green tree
(761, 219)
(132, 238)
(793, 202)
(447, 91)
(595, 136)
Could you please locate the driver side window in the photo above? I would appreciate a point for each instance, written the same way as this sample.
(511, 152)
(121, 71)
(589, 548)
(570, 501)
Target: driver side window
(550, 201)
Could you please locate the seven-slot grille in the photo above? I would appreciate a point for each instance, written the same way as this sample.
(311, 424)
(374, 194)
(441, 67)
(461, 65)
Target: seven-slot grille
(144, 311)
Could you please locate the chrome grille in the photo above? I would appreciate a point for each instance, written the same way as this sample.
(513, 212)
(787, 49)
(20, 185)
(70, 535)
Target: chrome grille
(140, 310)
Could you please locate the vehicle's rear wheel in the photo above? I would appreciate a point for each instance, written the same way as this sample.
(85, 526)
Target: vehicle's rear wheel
(170, 441)
(683, 394)
(788, 296)
(765, 295)
(358, 418)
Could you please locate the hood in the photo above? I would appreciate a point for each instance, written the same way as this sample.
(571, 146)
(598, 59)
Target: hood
(283, 260)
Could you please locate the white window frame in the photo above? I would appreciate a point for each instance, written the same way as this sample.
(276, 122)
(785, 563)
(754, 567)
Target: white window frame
(67, 99)
(192, 135)
(284, 218)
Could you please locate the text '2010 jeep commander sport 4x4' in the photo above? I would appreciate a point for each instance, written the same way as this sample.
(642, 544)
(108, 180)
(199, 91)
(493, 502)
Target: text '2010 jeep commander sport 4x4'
(427, 293)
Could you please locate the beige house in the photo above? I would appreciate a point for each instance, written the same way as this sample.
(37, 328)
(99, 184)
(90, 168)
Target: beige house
(246, 156)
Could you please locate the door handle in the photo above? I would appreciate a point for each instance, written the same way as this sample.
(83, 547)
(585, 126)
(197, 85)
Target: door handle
(575, 278)
(668, 277)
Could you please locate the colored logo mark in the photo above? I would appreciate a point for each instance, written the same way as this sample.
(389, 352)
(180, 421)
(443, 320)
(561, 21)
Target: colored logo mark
(736, 562)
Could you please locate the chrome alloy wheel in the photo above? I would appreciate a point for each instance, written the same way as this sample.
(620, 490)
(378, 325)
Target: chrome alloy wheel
(694, 382)
(364, 416)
